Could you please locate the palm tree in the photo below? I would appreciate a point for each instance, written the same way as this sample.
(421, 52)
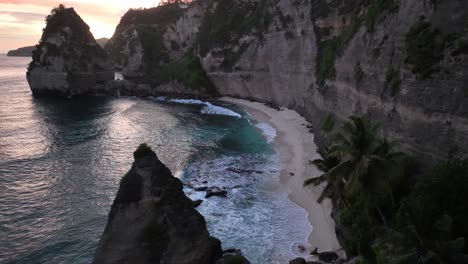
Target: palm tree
(333, 175)
(367, 166)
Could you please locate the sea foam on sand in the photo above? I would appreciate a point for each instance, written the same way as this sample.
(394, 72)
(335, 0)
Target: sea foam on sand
(267, 130)
(208, 108)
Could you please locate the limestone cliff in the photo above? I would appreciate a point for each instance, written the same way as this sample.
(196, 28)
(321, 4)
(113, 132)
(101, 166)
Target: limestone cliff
(67, 60)
(156, 46)
(152, 221)
(404, 63)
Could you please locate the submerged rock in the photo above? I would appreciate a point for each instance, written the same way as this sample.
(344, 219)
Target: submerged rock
(298, 261)
(152, 221)
(67, 60)
(328, 256)
(233, 256)
(215, 191)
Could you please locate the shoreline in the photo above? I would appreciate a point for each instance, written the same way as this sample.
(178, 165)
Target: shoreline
(296, 147)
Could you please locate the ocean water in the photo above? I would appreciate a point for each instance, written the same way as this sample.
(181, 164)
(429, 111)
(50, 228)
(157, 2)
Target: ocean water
(61, 161)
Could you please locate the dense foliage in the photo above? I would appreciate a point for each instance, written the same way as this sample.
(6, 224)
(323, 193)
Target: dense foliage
(144, 19)
(360, 13)
(61, 17)
(230, 20)
(389, 211)
(155, 53)
(424, 46)
(187, 71)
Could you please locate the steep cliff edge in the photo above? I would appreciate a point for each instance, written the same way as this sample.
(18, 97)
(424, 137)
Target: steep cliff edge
(67, 60)
(152, 221)
(403, 63)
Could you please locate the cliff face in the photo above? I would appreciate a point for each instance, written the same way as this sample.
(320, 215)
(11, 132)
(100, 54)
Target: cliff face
(152, 221)
(403, 63)
(156, 46)
(67, 59)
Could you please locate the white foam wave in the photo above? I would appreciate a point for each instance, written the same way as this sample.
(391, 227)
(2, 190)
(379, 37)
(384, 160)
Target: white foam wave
(218, 110)
(267, 130)
(208, 108)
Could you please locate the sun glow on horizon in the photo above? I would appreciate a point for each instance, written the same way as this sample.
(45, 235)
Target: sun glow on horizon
(21, 21)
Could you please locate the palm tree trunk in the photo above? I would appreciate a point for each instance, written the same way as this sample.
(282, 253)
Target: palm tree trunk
(382, 217)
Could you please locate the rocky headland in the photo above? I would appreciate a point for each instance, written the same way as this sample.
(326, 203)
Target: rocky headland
(22, 52)
(68, 60)
(152, 221)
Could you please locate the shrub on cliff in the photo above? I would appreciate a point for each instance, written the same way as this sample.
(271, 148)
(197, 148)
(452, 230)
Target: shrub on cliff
(424, 48)
(229, 21)
(143, 151)
(187, 71)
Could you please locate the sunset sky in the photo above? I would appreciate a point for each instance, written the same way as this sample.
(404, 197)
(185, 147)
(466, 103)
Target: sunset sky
(22, 21)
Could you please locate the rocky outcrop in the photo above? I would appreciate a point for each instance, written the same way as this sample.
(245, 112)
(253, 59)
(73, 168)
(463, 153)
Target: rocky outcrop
(67, 60)
(152, 221)
(22, 52)
(403, 63)
(156, 46)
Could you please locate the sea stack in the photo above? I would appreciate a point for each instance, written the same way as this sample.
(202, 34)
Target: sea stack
(152, 221)
(67, 60)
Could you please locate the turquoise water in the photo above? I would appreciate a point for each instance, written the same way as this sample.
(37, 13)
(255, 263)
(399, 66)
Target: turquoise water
(61, 161)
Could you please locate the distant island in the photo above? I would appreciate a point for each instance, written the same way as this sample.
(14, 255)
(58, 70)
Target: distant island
(21, 52)
(27, 51)
(102, 42)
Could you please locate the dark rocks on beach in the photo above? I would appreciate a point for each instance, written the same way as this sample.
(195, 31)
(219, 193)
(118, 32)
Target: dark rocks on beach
(273, 105)
(298, 261)
(328, 256)
(215, 191)
(152, 221)
(233, 256)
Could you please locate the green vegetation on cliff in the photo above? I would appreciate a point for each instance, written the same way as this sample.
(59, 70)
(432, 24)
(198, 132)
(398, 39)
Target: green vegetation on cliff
(229, 21)
(389, 211)
(392, 80)
(155, 53)
(424, 46)
(66, 35)
(357, 13)
(145, 20)
(187, 71)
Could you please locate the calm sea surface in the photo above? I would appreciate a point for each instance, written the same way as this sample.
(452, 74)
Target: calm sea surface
(61, 160)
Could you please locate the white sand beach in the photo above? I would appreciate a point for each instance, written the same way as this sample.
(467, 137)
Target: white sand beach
(296, 147)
